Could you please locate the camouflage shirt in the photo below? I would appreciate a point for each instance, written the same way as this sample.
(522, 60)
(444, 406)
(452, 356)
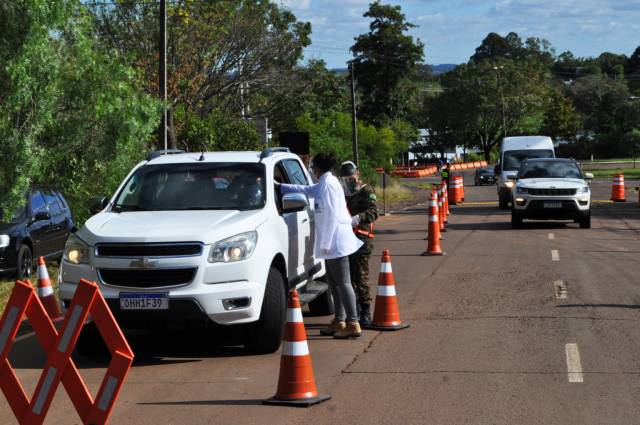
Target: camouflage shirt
(363, 204)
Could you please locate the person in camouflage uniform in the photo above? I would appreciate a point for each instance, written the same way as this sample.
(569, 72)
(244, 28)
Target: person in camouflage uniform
(361, 202)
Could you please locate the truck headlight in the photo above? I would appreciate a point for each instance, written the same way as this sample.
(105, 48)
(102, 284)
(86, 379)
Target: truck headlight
(76, 251)
(4, 241)
(236, 248)
(522, 190)
(584, 189)
(509, 184)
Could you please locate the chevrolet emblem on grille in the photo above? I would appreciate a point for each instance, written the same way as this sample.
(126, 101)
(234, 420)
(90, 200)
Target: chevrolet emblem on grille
(143, 263)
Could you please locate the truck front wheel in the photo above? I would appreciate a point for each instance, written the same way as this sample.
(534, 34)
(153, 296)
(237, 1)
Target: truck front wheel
(265, 335)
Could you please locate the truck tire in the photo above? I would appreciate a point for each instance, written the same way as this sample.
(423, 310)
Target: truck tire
(265, 335)
(516, 220)
(585, 222)
(322, 305)
(90, 343)
(25, 262)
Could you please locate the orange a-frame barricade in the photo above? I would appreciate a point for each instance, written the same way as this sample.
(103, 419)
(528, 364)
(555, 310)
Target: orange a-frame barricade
(59, 346)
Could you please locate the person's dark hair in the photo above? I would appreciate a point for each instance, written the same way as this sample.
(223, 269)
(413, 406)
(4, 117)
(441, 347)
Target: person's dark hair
(324, 162)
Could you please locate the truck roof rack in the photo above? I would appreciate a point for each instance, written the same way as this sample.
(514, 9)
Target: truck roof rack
(156, 154)
(270, 151)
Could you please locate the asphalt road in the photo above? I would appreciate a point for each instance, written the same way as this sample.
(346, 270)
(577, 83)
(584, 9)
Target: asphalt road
(500, 334)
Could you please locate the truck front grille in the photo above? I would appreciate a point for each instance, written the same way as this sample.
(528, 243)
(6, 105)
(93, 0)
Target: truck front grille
(552, 192)
(147, 278)
(149, 250)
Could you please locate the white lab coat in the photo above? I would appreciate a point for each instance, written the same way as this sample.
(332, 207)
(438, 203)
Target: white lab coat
(334, 234)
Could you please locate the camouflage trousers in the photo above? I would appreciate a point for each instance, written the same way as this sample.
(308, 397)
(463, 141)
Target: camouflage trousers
(359, 266)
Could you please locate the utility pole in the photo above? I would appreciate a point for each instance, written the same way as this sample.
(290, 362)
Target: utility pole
(162, 73)
(354, 119)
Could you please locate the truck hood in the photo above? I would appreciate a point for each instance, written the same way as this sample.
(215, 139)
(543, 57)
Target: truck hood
(548, 183)
(169, 226)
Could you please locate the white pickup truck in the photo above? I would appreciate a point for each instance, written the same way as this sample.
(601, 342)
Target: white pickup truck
(201, 240)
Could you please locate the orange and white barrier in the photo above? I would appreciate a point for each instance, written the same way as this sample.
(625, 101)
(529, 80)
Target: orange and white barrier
(430, 170)
(297, 384)
(60, 367)
(386, 315)
(617, 189)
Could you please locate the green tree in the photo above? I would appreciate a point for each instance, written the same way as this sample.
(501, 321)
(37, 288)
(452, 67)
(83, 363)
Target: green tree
(71, 115)
(384, 57)
(227, 55)
(487, 99)
(378, 146)
(561, 121)
(633, 71)
(494, 47)
(607, 112)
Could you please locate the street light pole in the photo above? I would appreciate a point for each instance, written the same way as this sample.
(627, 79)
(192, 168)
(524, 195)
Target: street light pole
(162, 73)
(354, 119)
(504, 119)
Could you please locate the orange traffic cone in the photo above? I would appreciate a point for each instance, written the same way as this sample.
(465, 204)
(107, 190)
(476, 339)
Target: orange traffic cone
(446, 201)
(45, 292)
(433, 245)
(386, 315)
(296, 385)
(442, 216)
(617, 190)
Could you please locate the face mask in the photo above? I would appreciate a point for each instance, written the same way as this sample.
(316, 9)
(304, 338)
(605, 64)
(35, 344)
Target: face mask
(350, 185)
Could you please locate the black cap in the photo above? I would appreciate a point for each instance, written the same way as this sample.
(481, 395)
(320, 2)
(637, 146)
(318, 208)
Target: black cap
(348, 169)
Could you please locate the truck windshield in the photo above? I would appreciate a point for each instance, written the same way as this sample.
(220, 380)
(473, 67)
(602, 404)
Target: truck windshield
(513, 159)
(549, 170)
(208, 186)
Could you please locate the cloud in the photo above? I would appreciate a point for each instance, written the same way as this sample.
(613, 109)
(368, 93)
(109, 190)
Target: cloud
(452, 29)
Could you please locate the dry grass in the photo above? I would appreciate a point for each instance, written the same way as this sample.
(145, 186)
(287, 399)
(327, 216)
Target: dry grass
(394, 194)
(6, 284)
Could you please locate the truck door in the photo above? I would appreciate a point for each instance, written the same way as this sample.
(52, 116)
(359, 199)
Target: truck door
(306, 225)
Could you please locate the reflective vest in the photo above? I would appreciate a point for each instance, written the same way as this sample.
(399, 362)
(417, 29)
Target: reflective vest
(368, 233)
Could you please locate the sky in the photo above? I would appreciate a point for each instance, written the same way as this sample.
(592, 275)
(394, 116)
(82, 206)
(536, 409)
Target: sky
(452, 29)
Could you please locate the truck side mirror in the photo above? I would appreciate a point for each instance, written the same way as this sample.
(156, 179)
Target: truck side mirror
(98, 204)
(294, 202)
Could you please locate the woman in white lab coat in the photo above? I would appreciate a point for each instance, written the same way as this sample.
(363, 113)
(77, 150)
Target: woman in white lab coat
(334, 242)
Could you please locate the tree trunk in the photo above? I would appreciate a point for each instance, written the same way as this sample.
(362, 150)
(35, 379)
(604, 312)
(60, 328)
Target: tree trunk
(487, 154)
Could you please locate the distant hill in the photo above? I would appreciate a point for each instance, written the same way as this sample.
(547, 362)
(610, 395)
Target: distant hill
(442, 68)
(435, 69)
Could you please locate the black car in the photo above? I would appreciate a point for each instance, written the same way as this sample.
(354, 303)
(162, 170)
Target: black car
(484, 176)
(38, 228)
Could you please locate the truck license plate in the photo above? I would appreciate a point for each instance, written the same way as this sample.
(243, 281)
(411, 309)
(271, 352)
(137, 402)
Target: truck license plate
(134, 301)
(553, 204)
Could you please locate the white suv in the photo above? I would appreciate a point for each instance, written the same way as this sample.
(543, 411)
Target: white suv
(551, 188)
(194, 239)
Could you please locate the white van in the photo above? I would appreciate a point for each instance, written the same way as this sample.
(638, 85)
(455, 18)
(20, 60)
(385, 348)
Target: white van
(513, 151)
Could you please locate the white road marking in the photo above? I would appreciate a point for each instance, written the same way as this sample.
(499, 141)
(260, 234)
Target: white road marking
(555, 255)
(574, 367)
(551, 236)
(560, 289)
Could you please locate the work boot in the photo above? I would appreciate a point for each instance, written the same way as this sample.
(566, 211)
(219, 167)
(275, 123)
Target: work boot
(365, 315)
(352, 330)
(333, 327)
